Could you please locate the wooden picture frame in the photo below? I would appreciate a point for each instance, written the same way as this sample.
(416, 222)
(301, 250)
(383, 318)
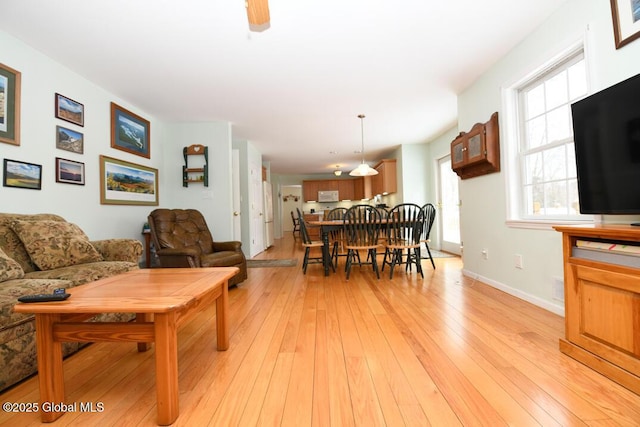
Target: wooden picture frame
(626, 21)
(130, 132)
(10, 85)
(69, 110)
(69, 171)
(22, 175)
(125, 183)
(69, 140)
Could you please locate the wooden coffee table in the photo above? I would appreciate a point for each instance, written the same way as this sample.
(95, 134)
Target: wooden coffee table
(162, 299)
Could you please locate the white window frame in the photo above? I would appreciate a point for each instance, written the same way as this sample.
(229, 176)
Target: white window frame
(511, 131)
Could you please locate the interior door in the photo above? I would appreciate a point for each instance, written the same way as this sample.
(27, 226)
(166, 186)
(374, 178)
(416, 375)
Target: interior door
(257, 216)
(235, 173)
(448, 207)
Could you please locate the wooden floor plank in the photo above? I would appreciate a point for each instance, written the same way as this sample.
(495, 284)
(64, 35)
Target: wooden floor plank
(310, 350)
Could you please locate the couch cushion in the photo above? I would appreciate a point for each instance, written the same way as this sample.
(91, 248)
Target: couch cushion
(10, 242)
(55, 244)
(84, 273)
(9, 268)
(12, 289)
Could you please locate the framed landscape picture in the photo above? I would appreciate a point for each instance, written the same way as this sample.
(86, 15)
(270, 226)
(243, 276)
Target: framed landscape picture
(69, 172)
(129, 132)
(22, 175)
(9, 105)
(626, 21)
(124, 183)
(69, 140)
(69, 110)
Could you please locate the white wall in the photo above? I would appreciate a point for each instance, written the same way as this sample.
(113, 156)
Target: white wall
(41, 79)
(483, 215)
(214, 201)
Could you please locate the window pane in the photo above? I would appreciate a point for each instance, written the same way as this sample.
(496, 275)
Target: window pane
(536, 132)
(554, 164)
(555, 198)
(571, 161)
(574, 201)
(556, 90)
(533, 168)
(534, 199)
(559, 124)
(577, 80)
(535, 101)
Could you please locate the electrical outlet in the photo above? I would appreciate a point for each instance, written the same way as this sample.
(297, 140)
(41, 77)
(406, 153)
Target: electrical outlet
(519, 262)
(485, 253)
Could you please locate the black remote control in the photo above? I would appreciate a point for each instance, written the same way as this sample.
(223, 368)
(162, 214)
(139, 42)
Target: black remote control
(57, 295)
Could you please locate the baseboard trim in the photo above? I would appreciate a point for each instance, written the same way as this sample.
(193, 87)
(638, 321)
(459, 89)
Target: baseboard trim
(554, 308)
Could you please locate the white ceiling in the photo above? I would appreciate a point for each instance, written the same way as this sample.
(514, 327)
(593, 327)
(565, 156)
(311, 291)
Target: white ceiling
(295, 90)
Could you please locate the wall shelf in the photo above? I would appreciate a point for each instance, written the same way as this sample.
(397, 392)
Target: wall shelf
(200, 174)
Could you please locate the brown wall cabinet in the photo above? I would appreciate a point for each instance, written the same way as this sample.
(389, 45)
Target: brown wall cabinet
(477, 152)
(386, 182)
(602, 303)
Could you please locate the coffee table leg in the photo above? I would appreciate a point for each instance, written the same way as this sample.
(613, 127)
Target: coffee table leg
(144, 318)
(50, 373)
(222, 317)
(166, 367)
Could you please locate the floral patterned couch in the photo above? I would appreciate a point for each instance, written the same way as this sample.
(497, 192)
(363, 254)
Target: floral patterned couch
(39, 253)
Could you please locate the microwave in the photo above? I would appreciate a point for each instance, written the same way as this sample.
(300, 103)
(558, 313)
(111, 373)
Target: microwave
(328, 196)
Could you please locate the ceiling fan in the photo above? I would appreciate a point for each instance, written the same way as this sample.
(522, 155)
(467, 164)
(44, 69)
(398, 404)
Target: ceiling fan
(258, 14)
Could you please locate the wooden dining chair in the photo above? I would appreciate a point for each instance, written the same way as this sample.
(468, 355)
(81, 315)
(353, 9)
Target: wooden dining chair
(296, 225)
(336, 237)
(362, 226)
(308, 244)
(429, 213)
(404, 231)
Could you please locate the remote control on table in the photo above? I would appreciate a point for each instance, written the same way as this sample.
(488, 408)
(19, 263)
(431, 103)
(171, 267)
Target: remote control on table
(57, 295)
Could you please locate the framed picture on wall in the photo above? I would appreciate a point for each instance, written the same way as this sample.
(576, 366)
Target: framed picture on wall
(69, 140)
(129, 132)
(9, 105)
(626, 21)
(69, 172)
(22, 175)
(124, 183)
(69, 110)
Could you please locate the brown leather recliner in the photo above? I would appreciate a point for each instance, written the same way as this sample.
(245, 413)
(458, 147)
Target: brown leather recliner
(182, 239)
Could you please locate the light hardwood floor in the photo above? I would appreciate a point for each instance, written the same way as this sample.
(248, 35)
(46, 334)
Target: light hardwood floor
(309, 350)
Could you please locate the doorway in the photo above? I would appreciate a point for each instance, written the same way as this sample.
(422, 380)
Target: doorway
(291, 199)
(449, 207)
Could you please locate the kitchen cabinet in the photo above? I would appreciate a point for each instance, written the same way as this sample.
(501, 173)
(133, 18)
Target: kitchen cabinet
(477, 152)
(386, 182)
(344, 187)
(602, 301)
(310, 190)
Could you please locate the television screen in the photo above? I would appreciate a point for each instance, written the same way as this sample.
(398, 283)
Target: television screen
(606, 128)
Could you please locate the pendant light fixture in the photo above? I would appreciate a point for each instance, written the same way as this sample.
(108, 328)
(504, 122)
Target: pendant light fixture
(363, 169)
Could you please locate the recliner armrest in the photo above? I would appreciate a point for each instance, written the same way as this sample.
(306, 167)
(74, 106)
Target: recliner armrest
(234, 246)
(182, 257)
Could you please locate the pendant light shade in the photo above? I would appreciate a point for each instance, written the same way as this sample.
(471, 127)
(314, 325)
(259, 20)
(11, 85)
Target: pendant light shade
(363, 169)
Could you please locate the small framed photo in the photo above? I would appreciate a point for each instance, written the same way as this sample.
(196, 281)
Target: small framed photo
(626, 21)
(129, 132)
(22, 175)
(9, 105)
(69, 140)
(69, 110)
(124, 183)
(69, 172)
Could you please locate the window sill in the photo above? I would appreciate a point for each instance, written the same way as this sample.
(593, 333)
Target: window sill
(543, 224)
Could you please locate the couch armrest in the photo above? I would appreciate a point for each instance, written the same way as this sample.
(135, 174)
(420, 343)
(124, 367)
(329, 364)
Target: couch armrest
(119, 249)
(182, 257)
(227, 246)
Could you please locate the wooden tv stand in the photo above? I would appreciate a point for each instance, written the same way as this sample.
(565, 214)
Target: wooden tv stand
(602, 303)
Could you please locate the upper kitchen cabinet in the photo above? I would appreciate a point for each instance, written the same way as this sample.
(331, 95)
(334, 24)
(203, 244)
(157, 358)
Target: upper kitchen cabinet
(310, 190)
(386, 182)
(477, 152)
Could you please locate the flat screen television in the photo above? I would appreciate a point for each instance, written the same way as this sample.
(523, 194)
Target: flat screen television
(606, 127)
